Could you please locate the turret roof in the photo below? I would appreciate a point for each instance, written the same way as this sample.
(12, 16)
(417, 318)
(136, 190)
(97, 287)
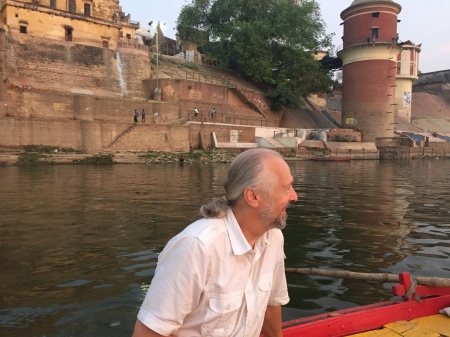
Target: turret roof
(359, 2)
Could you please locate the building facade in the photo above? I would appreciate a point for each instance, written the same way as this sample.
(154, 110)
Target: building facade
(407, 73)
(88, 22)
(369, 57)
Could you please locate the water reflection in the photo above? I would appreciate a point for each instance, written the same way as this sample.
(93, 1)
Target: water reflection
(77, 242)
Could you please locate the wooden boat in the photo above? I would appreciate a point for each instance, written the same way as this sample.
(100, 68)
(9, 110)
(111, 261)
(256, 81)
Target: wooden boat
(416, 315)
(331, 158)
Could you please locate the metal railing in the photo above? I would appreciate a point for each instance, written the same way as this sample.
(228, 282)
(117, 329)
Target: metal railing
(363, 42)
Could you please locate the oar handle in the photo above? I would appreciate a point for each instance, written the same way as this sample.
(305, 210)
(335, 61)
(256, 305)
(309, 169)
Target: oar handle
(382, 277)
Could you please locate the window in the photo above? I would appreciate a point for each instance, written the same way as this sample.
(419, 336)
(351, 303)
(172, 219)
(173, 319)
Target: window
(69, 34)
(105, 44)
(53, 4)
(129, 36)
(23, 29)
(376, 14)
(87, 9)
(72, 6)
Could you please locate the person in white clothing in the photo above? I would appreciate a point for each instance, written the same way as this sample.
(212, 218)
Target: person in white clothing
(224, 274)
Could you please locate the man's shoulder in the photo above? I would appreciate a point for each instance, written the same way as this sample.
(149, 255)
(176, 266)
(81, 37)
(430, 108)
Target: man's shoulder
(205, 230)
(275, 236)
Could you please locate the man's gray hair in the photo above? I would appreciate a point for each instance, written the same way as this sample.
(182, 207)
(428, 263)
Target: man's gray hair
(247, 169)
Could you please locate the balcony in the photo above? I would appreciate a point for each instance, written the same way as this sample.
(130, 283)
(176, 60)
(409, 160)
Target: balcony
(359, 43)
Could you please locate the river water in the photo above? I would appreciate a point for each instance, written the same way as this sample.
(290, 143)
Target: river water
(78, 243)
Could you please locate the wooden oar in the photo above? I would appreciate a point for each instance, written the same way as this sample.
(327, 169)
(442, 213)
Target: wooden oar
(382, 277)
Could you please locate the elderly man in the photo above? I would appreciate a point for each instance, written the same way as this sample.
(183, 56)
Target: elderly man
(224, 274)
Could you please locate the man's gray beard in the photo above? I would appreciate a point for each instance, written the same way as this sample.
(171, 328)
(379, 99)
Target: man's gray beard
(272, 221)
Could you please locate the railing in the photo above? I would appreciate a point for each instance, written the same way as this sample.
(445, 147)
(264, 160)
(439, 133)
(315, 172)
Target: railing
(132, 45)
(364, 42)
(223, 118)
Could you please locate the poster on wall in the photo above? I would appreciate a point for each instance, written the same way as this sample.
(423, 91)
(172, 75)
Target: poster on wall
(406, 99)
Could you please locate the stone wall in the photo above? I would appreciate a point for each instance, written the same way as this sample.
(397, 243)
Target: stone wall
(25, 103)
(230, 107)
(172, 138)
(200, 136)
(93, 136)
(442, 76)
(51, 65)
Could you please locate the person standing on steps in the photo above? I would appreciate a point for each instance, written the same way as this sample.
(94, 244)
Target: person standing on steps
(195, 112)
(212, 113)
(136, 115)
(143, 115)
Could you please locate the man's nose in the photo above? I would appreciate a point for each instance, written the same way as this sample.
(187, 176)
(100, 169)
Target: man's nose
(293, 196)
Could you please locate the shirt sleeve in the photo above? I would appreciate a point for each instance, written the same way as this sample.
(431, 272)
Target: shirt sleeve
(176, 287)
(279, 293)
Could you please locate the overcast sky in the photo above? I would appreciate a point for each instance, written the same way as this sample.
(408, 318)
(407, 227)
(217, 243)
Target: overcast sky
(426, 22)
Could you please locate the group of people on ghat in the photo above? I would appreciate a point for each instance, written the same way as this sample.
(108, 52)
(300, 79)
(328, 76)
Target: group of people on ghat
(212, 113)
(224, 274)
(136, 116)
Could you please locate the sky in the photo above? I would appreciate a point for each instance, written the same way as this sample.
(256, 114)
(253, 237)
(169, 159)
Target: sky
(422, 21)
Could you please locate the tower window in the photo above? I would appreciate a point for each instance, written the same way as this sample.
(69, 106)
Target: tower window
(72, 6)
(23, 29)
(129, 36)
(53, 4)
(105, 44)
(376, 14)
(87, 9)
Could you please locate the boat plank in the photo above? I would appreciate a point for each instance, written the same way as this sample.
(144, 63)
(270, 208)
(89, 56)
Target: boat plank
(430, 326)
(411, 329)
(439, 323)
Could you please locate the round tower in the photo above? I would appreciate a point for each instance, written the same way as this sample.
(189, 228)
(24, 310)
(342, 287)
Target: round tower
(407, 73)
(369, 57)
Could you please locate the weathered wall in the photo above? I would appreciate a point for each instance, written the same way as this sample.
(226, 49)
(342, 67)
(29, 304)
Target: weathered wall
(134, 65)
(57, 105)
(200, 136)
(19, 132)
(93, 136)
(230, 108)
(61, 66)
(156, 138)
(3, 95)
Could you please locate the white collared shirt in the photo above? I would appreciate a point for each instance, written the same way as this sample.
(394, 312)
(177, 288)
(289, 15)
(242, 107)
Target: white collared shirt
(210, 282)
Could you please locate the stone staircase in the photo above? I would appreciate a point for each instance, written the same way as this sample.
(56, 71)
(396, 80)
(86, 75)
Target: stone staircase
(269, 142)
(129, 129)
(183, 70)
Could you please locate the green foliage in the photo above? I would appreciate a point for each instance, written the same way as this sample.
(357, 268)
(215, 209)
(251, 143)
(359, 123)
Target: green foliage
(210, 156)
(269, 42)
(102, 159)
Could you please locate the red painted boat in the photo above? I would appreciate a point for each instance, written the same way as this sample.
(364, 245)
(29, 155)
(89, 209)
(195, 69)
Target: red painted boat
(419, 302)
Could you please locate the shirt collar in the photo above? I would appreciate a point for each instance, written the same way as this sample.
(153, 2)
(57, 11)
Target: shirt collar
(239, 243)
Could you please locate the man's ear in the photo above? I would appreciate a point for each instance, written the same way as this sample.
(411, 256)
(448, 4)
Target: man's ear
(251, 197)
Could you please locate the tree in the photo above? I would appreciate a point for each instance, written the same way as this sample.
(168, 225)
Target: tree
(269, 42)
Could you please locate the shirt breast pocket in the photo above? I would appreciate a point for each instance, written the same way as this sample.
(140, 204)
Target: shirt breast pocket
(222, 314)
(264, 287)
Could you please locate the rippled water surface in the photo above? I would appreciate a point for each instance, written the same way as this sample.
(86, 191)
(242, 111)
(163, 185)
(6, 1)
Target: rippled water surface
(78, 242)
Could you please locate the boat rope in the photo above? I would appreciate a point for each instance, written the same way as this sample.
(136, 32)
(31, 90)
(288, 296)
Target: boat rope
(412, 290)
